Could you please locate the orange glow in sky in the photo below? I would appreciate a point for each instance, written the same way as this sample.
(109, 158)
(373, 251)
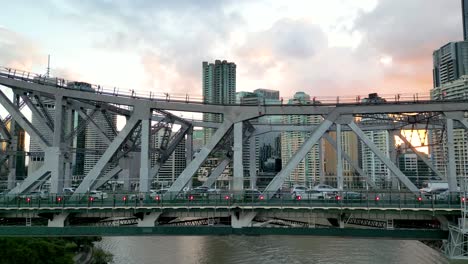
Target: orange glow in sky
(417, 138)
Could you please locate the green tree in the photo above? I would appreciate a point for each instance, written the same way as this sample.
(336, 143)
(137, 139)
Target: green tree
(101, 257)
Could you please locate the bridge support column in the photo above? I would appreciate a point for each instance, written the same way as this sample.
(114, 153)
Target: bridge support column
(53, 160)
(53, 155)
(321, 162)
(242, 219)
(339, 161)
(13, 147)
(145, 164)
(393, 180)
(12, 158)
(341, 220)
(253, 162)
(58, 220)
(451, 166)
(68, 159)
(238, 179)
(149, 219)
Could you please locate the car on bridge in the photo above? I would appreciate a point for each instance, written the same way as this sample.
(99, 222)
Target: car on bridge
(349, 196)
(310, 195)
(98, 195)
(36, 195)
(298, 190)
(252, 195)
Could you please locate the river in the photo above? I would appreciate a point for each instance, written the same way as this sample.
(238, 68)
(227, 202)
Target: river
(266, 249)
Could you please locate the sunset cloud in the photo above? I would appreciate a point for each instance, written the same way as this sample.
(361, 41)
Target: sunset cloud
(329, 48)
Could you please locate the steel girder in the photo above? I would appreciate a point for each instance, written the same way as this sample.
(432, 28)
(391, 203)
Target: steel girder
(279, 179)
(192, 168)
(233, 110)
(81, 127)
(38, 115)
(383, 158)
(44, 112)
(216, 172)
(22, 121)
(119, 140)
(31, 180)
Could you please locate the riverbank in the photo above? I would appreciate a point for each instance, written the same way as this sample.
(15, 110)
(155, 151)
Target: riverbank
(52, 250)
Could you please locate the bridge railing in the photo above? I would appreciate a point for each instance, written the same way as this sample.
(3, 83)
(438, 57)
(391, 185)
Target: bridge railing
(194, 98)
(360, 199)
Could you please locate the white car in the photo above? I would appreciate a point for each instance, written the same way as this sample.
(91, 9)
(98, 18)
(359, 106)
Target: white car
(324, 188)
(160, 192)
(97, 195)
(311, 195)
(298, 191)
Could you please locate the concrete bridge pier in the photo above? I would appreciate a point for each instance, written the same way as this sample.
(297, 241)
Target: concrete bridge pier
(148, 219)
(58, 220)
(242, 219)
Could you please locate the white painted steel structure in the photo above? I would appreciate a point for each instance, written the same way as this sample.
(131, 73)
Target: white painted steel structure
(147, 115)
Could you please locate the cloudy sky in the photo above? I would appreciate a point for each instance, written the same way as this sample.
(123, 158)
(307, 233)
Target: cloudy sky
(332, 47)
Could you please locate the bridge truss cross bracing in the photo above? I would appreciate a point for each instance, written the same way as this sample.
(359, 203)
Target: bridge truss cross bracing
(153, 131)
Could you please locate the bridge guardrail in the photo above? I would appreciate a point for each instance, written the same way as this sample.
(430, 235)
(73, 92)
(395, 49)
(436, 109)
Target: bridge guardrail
(190, 98)
(362, 199)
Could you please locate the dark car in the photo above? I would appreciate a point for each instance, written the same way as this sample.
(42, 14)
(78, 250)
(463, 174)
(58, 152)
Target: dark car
(353, 196)
(251, 195)
(201, 191)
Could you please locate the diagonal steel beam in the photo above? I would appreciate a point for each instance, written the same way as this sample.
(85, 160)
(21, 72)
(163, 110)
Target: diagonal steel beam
(354, 164)
(31, 180)
(109, 122)
(216, 172)
(4, 131)
(420, 155)
(402, 177)
(80, 128)
(165, 154)
(44, 112)
(22, 121)
(192, 168)
(90, 179)
(38, 115)
(102, 180)
(279, 179)
(94, 125)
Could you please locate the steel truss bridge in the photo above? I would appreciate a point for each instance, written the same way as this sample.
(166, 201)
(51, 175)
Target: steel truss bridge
(407, 215)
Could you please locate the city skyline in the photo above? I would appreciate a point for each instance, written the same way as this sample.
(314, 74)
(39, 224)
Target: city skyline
(284, 48)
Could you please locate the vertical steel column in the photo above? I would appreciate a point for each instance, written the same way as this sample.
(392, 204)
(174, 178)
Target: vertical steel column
(321, 157)
(253, 165)
(53, 155)
(451, 166)
(13, 147)
(238, 177)
(393, 157)
(189, 151)
(189, 146)
(339, 160)
(145, 164)
(68, 162)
